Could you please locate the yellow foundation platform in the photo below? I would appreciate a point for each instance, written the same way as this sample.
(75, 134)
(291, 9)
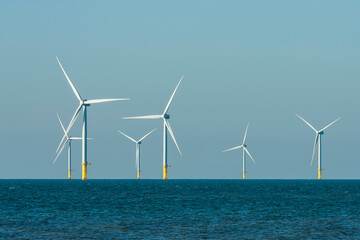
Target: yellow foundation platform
(164, 172)
(84, 171)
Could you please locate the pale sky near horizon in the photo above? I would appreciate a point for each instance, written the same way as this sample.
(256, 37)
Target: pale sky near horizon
(243, 61)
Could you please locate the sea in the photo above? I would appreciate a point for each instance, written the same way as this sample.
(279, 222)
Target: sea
(180, 209)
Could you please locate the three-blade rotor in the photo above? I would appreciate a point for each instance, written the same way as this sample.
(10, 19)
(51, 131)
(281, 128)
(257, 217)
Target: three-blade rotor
(243, 145)
(317, 133)
(82, 103)
(164, 116)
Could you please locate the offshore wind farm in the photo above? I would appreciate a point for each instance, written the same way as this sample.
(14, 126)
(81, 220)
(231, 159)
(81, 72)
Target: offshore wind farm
(194, 93)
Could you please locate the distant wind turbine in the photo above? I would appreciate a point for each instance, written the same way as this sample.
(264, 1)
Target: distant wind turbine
(137, 160)
(165, 116)
(317, 141)
(84, 103)
(68, 140)
(244, 147)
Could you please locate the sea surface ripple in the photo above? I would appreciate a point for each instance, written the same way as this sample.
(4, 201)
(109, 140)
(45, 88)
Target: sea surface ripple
(179, 209)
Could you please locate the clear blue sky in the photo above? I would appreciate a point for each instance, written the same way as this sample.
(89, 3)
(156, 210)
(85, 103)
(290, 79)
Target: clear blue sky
(244, 61)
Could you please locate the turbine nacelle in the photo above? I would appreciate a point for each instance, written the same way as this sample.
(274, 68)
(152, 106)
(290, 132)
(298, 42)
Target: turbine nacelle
(321, 133)
(166, 116)
(244, 145)
(84, 103)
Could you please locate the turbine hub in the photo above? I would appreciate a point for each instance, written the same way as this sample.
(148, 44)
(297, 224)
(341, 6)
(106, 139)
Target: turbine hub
(85, 104)
(166, 116)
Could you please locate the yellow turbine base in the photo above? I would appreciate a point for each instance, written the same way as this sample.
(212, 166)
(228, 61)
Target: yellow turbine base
(69, 174)
(244, 175)
(164, 172)
(138, 174)
(84, 171)
(319, 174)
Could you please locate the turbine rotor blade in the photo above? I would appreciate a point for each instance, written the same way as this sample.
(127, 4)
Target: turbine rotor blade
(62, 148)
(71, 84)
(172, 96)
(316, 139)
(146, 135)
(234, 148)
(127, 136)
(306, 122)
(245, 133)
(62, 126)
(145, 117)
(70, 125)
(79, 138)
(105, 100)
(249, 154)
(329, 125)
(172, 134)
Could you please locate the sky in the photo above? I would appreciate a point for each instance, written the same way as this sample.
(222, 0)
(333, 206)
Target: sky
(244, 61)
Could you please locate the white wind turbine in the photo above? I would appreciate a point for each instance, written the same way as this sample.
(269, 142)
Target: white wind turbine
(317, 141)
(67, 141)
(165, 116)
(244, 147)
(137, 160)
(84, 103)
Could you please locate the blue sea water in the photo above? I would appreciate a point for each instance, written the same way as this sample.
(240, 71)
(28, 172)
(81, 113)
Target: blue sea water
(179, 209)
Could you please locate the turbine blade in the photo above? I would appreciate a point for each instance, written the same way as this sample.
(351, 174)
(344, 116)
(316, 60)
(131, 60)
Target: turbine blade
(245, 133)
(249, 154)
(238, 147)
(316, 139)
(77, 138)
(172, 96)
(172, 134)
(62, 148)
(329, 124)
(62, 126)
(146, 135)
(70, 125)
(71, 84)
(127, 136)
(306, 122)
(145, 117)
(105, 100)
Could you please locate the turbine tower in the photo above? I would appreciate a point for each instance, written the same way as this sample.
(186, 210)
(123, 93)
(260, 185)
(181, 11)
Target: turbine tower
(318, 142)
(137, 159)
(244, 147)
(165, 117)
(68, 140)
(83, 105)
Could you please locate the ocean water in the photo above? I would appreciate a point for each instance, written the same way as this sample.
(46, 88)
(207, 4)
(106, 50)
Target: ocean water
(179, 209)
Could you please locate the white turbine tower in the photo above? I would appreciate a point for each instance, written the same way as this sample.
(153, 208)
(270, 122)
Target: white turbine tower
(84, 103)
(165, 116)
(68, 140)
(317, 141)
(244, 147)
(137, 160)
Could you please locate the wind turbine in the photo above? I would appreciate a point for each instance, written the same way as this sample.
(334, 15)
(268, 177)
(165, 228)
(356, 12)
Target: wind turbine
(244, 147)
(83, 104)
(68, 140)
(165, 116)
(137, 160)
(317, 141)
